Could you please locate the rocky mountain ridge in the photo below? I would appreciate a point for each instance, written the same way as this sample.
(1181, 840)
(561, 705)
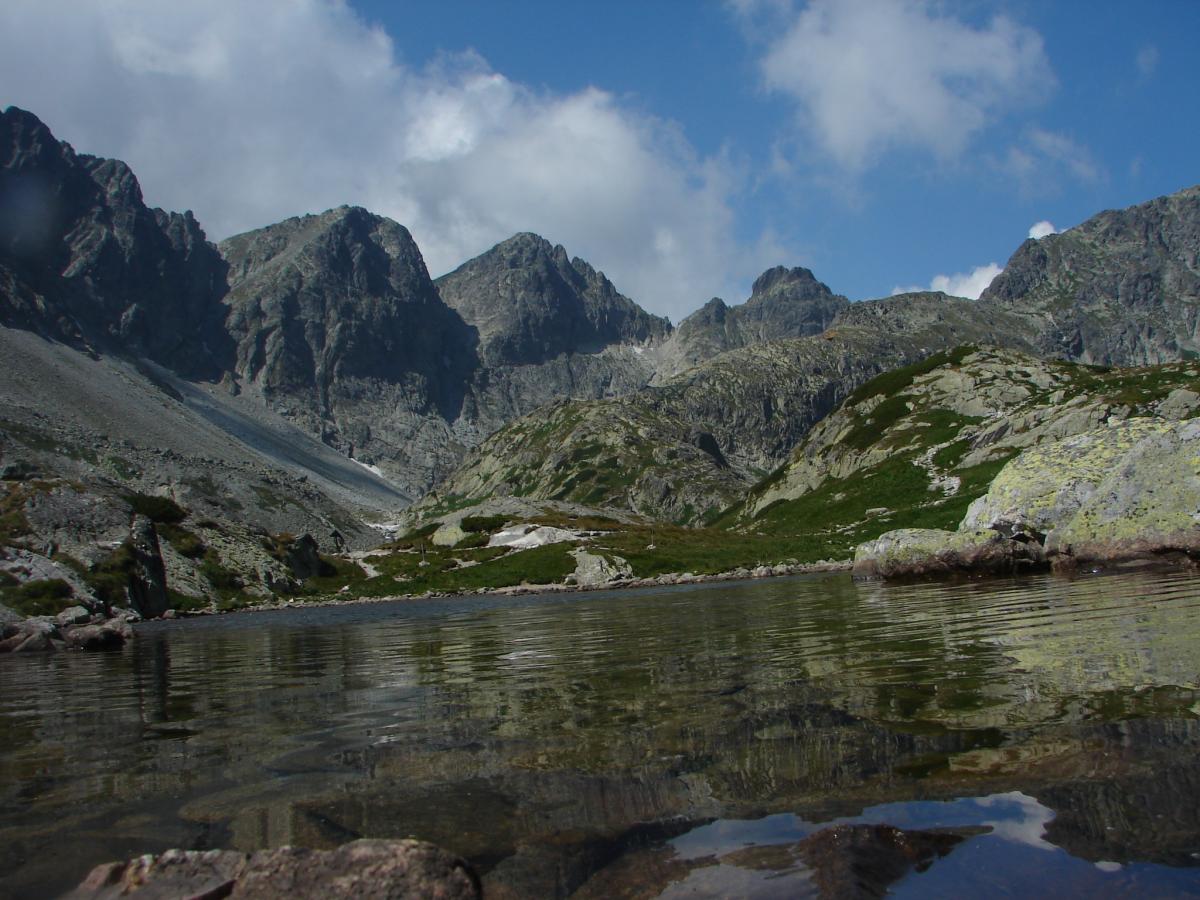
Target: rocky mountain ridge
(784, 303)
(317, 354)
(1122, 288)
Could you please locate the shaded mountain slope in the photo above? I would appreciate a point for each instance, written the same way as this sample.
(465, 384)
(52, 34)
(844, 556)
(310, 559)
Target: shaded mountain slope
(83, 260)
(529, 303)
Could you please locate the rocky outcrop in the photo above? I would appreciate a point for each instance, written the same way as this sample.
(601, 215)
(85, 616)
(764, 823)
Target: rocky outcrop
(1127, 492)
(784, 303)
(83, 260)
(382, 869)
(528, 302)
(147, 573)
(1123, 288)
(79, 632)
(594, 569)
(926, 553)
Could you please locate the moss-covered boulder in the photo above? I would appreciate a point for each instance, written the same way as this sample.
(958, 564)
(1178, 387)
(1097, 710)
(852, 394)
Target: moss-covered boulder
(930, 552)
(1046, 485)
(1146, 505)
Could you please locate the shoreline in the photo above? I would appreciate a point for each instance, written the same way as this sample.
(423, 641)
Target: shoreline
(667, 579)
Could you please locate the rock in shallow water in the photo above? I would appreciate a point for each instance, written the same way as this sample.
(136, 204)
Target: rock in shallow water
(926, 552)
(1122, 493)
(369, 869)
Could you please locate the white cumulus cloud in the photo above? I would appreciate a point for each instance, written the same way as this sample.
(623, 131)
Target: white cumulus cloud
(1043, 158)
(1147, 60)
(966, 284)
(249, 114)
(961, 284)
(1039, 230)
(868, 76)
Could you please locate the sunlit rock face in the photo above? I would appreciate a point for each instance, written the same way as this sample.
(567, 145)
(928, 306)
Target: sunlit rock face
(1120, 289)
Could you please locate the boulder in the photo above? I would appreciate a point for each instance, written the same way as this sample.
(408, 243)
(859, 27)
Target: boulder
(592, 569)
(370, 869)
(448, 535)
(1145, 507)
(302, 557)
(1047, 484)
(73, 615)
(31, 635)
(926, 552)
(101, 636)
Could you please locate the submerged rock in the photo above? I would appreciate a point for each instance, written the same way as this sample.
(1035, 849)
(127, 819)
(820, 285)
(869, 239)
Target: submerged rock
(101, 636)
(374, 869)
(44, 633)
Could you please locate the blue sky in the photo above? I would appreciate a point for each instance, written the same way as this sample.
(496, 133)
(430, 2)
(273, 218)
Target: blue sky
(680, 147)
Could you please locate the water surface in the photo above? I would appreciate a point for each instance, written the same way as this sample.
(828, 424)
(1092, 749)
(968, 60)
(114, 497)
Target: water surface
(673, 742)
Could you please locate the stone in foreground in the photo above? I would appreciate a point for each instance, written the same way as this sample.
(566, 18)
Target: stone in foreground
(927, 552)
(368, 869)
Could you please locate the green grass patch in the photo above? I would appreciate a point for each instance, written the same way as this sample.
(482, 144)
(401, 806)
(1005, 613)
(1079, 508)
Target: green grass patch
(43, 597)
(952, 454)
(868, 429)
(483, 523)
(159, 510)
(123, 468)
(186, 543)
(896, 380)
(13, 524)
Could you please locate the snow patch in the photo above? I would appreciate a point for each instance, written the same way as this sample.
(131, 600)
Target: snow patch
(370, 468)
(524, 537)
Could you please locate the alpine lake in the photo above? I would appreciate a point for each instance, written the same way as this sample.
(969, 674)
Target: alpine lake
(682, 741)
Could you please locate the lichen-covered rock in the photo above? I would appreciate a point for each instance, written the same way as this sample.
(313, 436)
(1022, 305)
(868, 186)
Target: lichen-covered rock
(368, 869)
(1145, 506)
(448, 535)
(926, 552)
(592, 569)
(1046, 485)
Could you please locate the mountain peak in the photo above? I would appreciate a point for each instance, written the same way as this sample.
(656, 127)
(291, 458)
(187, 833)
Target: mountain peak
(530, 302)
(797, 282)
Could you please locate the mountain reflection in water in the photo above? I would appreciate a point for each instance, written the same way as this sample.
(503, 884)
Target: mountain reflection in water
(641, 743)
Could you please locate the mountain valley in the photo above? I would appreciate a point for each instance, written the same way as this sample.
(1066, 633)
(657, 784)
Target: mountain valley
(273, 407)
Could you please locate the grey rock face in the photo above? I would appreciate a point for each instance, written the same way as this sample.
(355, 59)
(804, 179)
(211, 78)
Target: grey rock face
(784, 303)
(529, 303)
(339, 328)
(148, 578)
(82, 259)
(1123, 288)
